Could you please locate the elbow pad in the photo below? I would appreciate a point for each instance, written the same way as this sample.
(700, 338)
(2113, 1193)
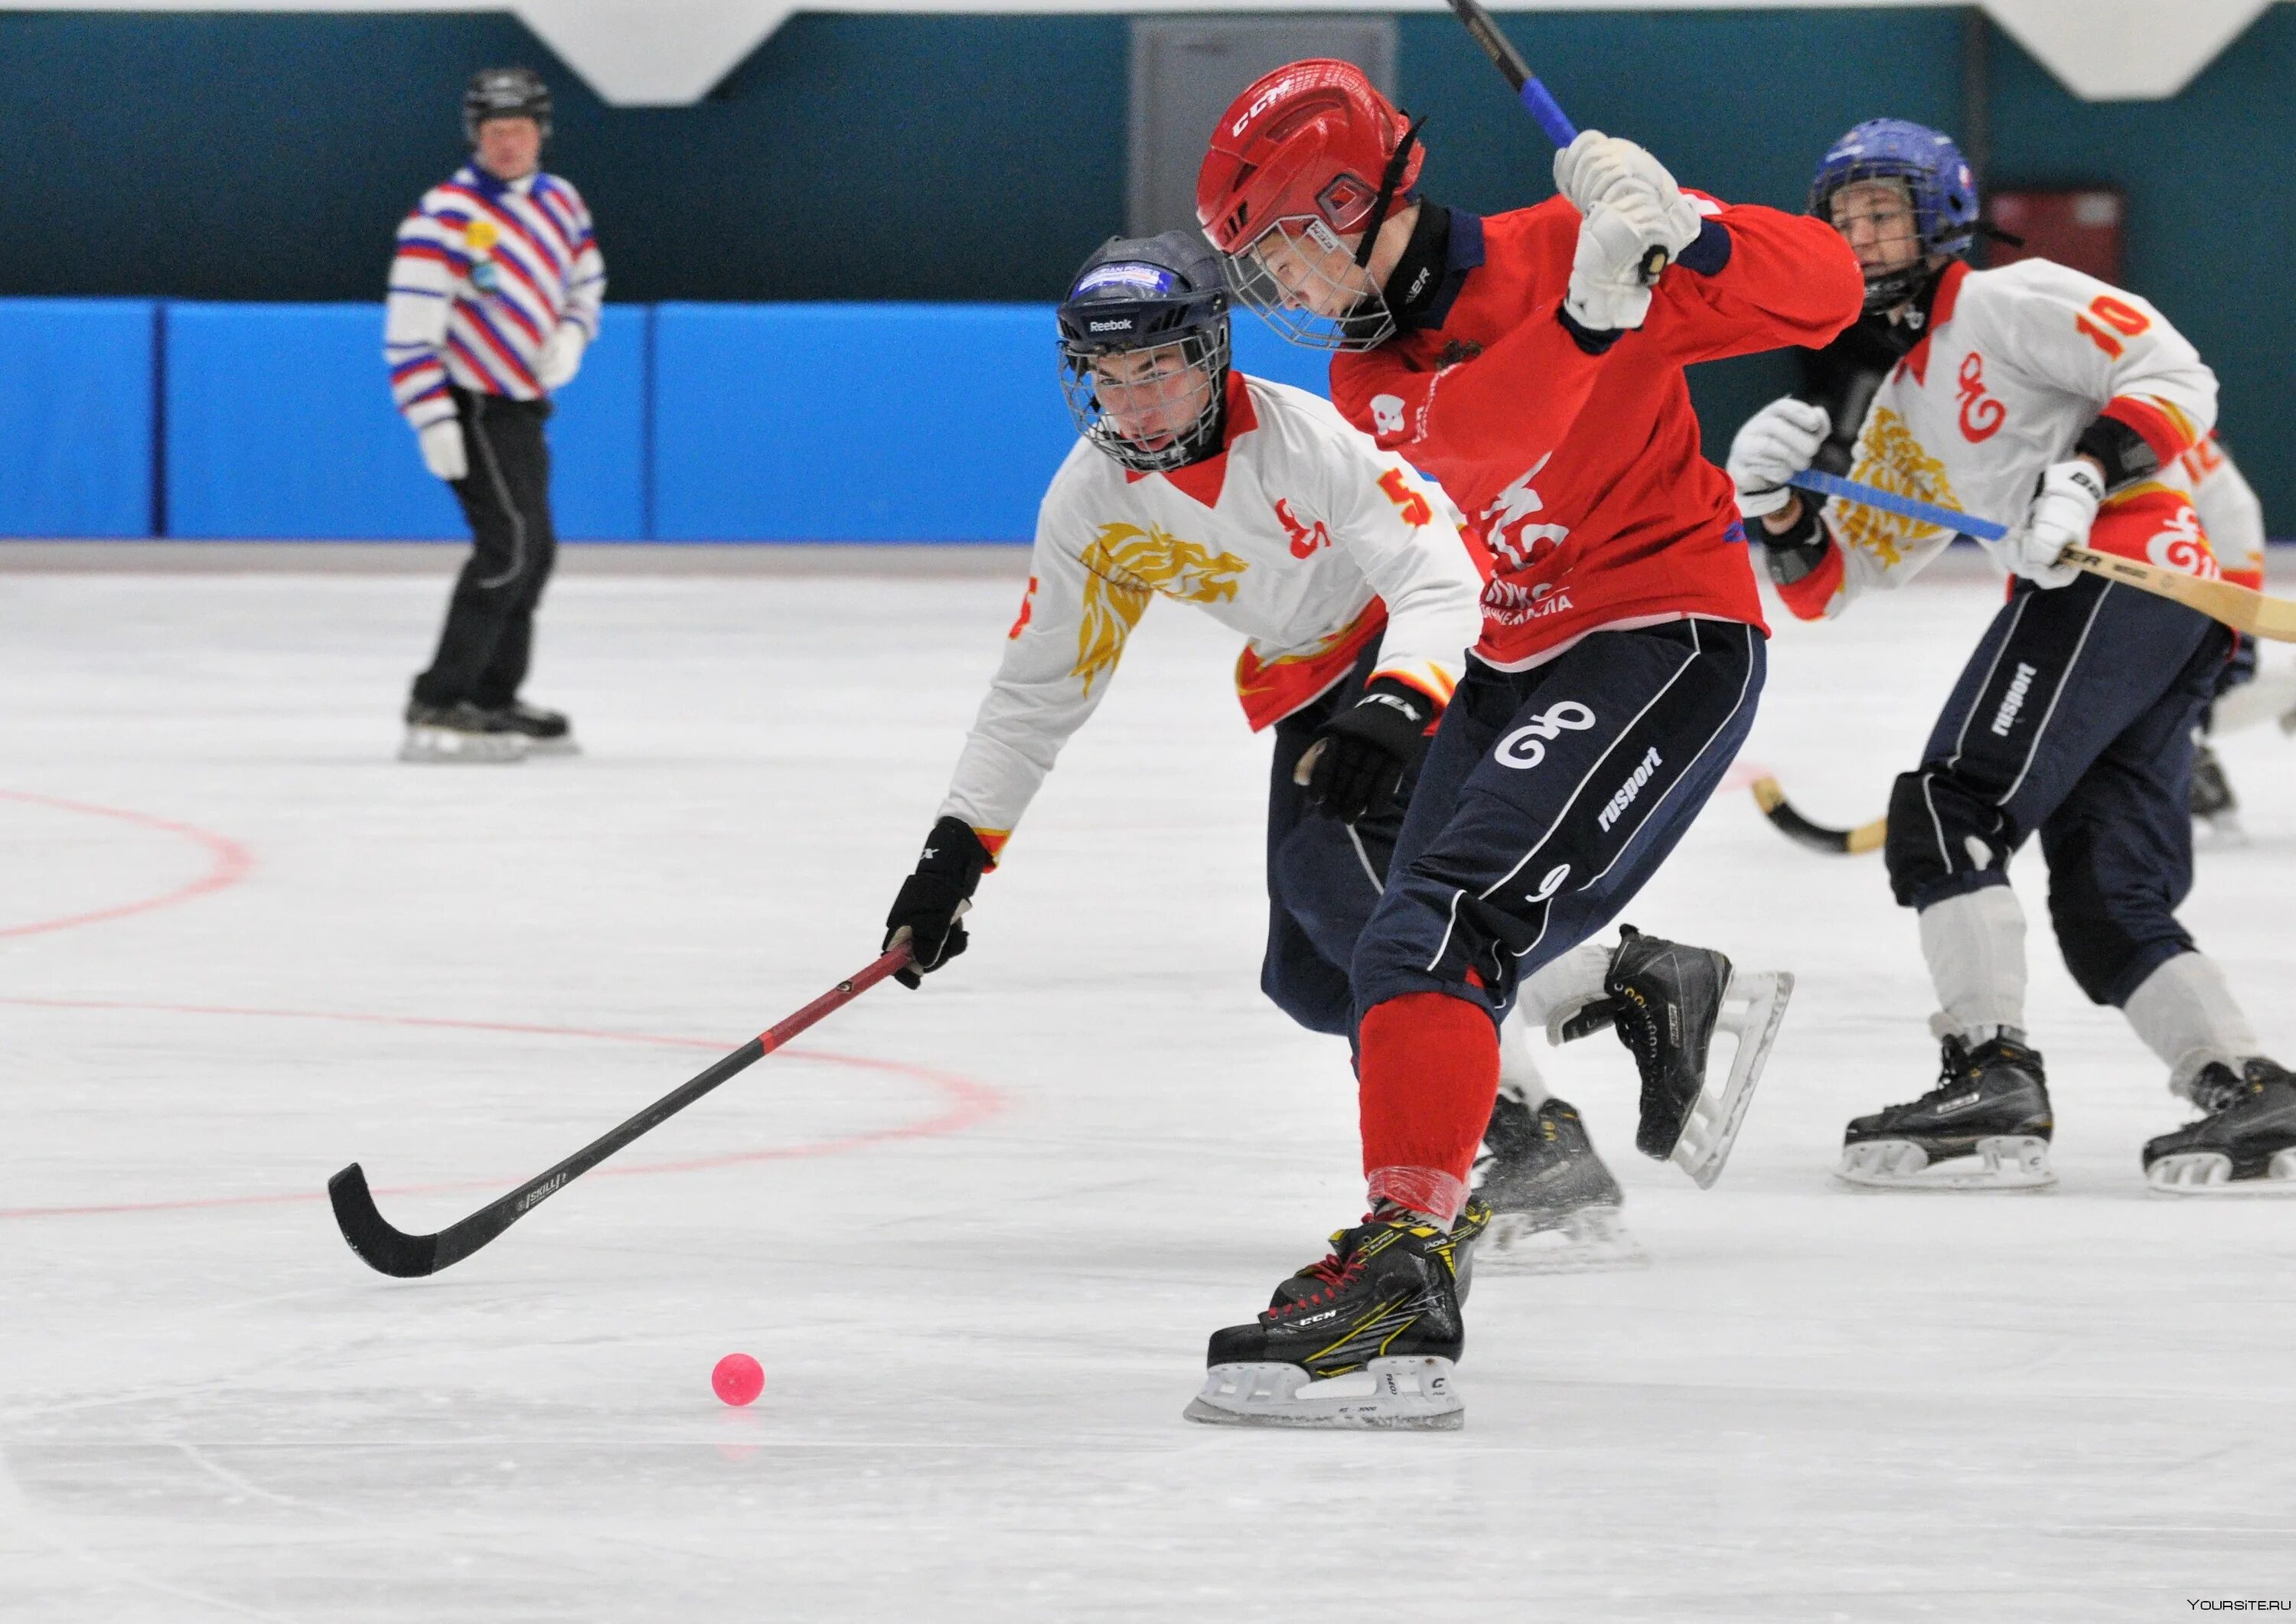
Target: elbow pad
(2125, 454)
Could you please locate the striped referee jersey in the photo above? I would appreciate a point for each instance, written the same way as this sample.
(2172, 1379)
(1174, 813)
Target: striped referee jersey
(486, 270)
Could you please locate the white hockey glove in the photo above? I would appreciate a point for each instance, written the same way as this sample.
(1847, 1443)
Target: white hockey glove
(2063, 510)
(1773, 445)
(1598, 169)
(443, 453)
(560, 357)
(1607, 291)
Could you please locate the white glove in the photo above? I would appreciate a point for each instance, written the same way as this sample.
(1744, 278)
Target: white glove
(1774, 443)
(1607, 291)
(2063, 510)
(442, 448)
(560, 357)
(1597, 169)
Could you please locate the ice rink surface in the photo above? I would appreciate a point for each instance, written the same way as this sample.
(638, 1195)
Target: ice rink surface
(978, 1235)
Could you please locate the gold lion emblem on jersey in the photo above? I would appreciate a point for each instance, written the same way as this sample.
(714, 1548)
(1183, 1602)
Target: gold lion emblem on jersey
(1890, 458)
(1123, 565)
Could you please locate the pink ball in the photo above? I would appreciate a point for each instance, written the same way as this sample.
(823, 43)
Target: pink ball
(738, 1379)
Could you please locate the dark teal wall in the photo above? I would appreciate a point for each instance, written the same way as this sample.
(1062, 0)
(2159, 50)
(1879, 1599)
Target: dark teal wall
(979, 158)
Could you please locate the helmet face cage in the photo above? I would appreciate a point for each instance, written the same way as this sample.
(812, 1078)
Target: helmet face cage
(1298, 269)
(1936, 183)
(1174, 372)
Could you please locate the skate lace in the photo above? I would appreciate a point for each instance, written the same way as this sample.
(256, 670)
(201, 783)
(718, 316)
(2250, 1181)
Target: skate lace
(1636, 1029)
(1336, 1273)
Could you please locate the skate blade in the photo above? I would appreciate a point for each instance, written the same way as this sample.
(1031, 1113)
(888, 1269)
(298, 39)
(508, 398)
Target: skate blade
(2209, 1173)
(1753, 1008)
(552, 747)
(1404, 1394)
(2006, 1162)
(443, 745)
(1589, 1240)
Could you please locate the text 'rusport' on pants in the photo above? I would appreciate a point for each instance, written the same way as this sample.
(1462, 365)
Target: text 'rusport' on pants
(488, 638)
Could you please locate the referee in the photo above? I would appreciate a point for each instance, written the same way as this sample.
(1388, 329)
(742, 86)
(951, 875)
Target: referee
(494, 292)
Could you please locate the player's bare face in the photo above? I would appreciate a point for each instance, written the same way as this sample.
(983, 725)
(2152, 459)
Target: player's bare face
(510, 149)
(1150, 396)
(1314, 270)
(1876, 219)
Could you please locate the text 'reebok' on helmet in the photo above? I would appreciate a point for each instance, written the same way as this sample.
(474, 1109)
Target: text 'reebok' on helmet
(1938, 187)
(1308, 158)
(1145, 350)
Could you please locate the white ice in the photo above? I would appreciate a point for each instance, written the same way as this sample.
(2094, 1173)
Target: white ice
(978, 1235)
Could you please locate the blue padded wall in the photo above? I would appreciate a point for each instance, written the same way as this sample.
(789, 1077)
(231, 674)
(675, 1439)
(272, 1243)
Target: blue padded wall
(853, 422)
(76, 424)
(280, 426)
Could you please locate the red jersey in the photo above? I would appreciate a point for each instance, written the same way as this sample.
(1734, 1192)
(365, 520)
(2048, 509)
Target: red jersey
(1581, 471)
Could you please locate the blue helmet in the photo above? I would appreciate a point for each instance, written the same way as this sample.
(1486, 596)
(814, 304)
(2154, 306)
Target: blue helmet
(1169, 293)
(1938, 181)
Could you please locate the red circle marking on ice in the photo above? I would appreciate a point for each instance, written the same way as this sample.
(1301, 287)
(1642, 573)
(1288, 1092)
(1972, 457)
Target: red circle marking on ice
(229, 862)
(738, 1379)
(968, 1103)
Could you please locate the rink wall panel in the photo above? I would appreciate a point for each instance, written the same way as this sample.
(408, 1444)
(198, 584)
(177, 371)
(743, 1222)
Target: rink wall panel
(280, 426)
(76, 431)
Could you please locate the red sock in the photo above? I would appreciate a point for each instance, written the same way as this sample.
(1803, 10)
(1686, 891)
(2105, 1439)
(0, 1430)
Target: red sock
(1429, 1070)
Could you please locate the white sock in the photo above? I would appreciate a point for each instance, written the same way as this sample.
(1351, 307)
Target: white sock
(1560, 989)
(1518, 1073)
(1975, 946)
(2186, 1015)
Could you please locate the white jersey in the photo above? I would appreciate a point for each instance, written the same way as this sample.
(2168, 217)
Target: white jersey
(1300, 533)
(2017, 362)
(2230, 512)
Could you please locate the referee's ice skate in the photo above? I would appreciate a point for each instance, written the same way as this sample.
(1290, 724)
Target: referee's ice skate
(1554, 1206)
(2246, 1144)
(1986, 1126)
(1366, 1337)
(1666, 1000)
(460, 733)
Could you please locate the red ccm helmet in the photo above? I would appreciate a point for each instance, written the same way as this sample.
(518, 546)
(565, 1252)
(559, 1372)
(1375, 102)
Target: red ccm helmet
(1306, 157)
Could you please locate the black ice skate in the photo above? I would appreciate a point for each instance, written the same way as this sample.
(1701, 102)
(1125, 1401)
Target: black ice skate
(460, 732)
(2246, 1144)
(1986, 1126)
(1554, 1206)
(1666, 1000)
(2210, 798)
(1366, 1338)
(548, 733)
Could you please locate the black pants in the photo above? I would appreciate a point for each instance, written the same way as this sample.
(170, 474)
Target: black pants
(2073, 719)
(1324, 876)
(490, 634)
(1549, 798)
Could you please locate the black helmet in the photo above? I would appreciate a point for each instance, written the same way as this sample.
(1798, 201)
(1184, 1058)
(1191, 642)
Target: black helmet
(504, 92)
(1143, 293)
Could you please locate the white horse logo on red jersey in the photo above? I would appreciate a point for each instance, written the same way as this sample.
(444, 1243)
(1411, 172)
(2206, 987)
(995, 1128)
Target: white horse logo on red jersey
(1507, 527)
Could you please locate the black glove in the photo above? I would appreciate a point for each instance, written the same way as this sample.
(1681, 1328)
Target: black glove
(950, 865)
(1362, 753)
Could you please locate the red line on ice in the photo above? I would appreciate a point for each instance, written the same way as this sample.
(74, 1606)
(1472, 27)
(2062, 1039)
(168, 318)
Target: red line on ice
(229, 863)
(968, 1103)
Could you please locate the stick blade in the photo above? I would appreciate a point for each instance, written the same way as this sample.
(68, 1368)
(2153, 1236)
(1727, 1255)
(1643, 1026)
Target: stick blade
(383, 1248)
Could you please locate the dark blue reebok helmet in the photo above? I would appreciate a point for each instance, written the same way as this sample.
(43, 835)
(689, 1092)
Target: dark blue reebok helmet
(1162, 293)
(1938, 184)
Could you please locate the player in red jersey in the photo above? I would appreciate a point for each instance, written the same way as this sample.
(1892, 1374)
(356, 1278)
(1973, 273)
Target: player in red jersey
(1525, 362)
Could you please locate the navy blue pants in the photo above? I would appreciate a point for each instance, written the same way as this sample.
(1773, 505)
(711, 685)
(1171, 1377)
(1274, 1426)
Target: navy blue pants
(1324, 876)
(2074, 718)
(1550, 796)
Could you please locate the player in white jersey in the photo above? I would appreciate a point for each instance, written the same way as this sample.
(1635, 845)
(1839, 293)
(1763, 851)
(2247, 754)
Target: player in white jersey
(2233, 518)
(495, 293)
(2049, 400)
(1259, 504)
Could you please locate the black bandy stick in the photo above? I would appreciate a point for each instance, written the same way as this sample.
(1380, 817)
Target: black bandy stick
(1536, 98)
(1818, 837)
(394, 1251)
